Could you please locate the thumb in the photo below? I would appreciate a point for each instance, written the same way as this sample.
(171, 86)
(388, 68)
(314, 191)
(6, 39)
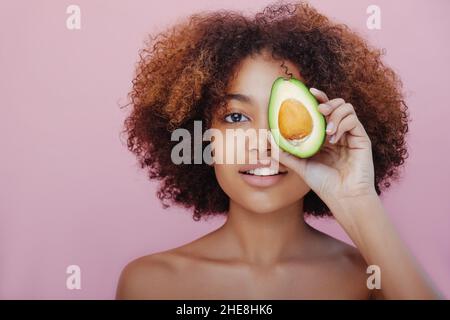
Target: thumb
(294, 163)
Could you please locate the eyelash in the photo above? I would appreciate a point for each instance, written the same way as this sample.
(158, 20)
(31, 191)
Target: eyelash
(234, 113)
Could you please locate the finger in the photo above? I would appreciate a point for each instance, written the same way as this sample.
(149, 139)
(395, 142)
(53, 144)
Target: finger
(345, 125)
(350, 124)
(328, 107)
(320, 95)
(337, 115)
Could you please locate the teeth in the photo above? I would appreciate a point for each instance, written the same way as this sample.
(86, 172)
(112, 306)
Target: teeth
(265, 171)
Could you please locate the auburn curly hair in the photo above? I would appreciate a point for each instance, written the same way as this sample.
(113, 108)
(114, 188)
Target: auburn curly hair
(183, 73)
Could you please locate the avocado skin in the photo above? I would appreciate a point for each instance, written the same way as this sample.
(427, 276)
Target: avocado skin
(306, 98)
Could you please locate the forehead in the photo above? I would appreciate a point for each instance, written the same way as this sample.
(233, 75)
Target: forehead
(255, 74)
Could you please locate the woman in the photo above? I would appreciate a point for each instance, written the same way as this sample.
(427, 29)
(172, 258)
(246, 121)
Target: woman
(219, 68)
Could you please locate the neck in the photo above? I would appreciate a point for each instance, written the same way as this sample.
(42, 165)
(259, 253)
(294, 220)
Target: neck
(266, 238)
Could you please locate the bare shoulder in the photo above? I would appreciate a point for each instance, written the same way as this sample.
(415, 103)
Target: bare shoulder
(354, 264)
(149, 277)
(351, 258)
(158, 275)
(346, 264)
(345, 255)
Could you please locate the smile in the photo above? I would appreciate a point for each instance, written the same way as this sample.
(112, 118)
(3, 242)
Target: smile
(262, 177)
(263, 171)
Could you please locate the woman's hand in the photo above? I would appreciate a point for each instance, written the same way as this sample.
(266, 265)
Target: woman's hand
(343, 168)
(342, 175)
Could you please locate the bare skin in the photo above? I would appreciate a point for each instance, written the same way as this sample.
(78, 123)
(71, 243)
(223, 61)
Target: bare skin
(229, 264)
(265, 250)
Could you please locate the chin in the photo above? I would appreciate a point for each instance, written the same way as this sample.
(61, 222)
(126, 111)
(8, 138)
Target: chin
(261, 208)
(265, 201)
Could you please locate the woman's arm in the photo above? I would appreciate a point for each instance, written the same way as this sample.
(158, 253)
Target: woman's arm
(367, 224)
(342, 175)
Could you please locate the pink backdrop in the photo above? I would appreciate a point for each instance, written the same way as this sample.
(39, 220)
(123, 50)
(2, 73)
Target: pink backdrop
(72, 194)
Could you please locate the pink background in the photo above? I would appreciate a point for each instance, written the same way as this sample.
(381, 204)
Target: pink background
(72, 194)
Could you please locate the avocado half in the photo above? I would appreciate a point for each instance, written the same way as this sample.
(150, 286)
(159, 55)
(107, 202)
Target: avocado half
(294, 118)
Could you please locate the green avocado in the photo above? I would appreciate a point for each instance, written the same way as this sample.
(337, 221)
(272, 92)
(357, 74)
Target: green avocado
(294, 119)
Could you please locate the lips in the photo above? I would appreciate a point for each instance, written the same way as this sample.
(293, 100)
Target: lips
(261, 169)
(258, 175)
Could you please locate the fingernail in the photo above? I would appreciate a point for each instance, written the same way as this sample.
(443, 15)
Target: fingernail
(330, 127)
(314, 90)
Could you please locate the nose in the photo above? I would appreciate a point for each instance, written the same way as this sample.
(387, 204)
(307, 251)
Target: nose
(262, 121)
(261, 126)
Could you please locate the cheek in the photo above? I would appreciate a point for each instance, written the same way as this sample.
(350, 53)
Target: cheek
(227, 177)
(231, 148)
(293, 188)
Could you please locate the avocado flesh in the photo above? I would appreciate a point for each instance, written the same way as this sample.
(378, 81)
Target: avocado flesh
(304, 129)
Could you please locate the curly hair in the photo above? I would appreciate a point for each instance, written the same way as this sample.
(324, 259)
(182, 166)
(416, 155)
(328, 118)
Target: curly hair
(183, 72)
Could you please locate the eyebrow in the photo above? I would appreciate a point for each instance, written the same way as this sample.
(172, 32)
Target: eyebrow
(239, 97)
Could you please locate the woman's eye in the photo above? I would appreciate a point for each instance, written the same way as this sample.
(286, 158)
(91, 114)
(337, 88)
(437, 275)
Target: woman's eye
(235, 117)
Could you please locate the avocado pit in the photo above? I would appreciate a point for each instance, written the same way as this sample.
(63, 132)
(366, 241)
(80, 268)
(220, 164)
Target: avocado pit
(294, 121)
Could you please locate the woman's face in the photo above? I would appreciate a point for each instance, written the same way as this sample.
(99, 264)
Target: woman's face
(247, 107)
